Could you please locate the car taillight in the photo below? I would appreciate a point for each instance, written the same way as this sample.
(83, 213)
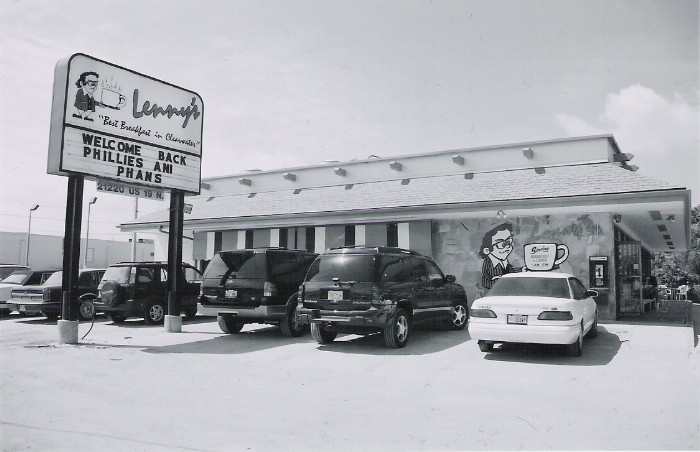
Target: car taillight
(555, 315)
(486, 313)
(269, 289)
(300, 294)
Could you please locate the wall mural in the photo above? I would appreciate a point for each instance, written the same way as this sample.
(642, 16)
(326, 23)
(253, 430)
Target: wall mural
(479, 250)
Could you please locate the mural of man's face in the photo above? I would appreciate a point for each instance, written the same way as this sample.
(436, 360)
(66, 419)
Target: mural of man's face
(501, 244)
(90, 83)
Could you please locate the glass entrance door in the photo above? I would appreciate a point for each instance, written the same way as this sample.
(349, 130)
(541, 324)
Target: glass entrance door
(629, 278)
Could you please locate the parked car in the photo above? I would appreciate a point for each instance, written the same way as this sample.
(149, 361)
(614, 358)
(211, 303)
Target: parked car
(7, 269)
(20, 278)
(369, 289)
(255, 286)
(535, 307)
(47, 298)
(140, 289)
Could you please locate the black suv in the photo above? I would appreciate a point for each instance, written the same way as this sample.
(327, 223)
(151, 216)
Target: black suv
(366, 289)
(258, 285)
(140, 289)
(47, 298)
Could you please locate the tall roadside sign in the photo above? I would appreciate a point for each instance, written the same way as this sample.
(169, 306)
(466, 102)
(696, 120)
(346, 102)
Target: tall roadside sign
(112, 124)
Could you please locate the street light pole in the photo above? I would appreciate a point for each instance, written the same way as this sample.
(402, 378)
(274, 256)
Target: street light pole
(29, 234)
(87, 232)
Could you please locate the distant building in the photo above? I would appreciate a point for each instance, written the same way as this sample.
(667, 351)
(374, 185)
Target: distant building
(470, 209)
(46, 251)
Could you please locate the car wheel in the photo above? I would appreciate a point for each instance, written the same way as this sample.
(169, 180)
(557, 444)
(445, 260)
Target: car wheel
(291, 327)
(117, 317)
(576, 348)
(593, 332)
(396, 332)
(155, 313)
(460, 315)
(485, 346)
(86, 311)
(190, 313)
(321, 334)
(229, 324)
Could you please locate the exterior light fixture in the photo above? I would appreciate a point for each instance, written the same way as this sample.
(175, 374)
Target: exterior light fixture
(349, 186)
(204, 186)
(87, 232)
(252, 195)
(458, 159)
(290, 176)
(540, 170)
(405, 181)
(469, 175)
(29, 234)
(632, 168)
(396, 166)
(297, 191)
(501, 215)
(245, 181)
(340, 172)
(527, 152)
(210, 198)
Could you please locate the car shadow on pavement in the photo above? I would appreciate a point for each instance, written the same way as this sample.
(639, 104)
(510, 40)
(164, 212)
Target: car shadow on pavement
(423, 340)
(597, 351)
(250, 341)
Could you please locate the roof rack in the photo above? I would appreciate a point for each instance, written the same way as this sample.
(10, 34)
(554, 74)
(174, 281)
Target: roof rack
(378, 249)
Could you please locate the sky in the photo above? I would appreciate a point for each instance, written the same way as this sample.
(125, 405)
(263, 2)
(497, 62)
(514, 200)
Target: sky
(294, 83)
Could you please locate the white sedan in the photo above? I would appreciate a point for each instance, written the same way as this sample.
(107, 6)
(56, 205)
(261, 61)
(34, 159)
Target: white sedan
(536, 308)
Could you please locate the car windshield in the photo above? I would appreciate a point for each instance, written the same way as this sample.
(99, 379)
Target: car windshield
(56, 279)
(344, 267)
(16, 278)
(118, 274)
(533, 287)
(242, 264)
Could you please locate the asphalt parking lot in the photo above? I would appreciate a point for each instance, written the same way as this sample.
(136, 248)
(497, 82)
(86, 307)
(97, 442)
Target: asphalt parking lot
(136, 387)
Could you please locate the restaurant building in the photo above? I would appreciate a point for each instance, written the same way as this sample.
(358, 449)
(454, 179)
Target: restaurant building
(469, 209)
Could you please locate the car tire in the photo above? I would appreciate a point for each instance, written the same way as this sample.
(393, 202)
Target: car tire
(117, 317)
(397, 331)
(290, 325)
(576, 348)
(321, 334)
(460, 315)
(485, 346)
(190, 313)
(593, 332)
(229, 324)
(155, 313)
(86, 310)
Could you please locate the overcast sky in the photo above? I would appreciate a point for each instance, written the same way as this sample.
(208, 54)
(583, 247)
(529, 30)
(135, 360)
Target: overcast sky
(293, 83)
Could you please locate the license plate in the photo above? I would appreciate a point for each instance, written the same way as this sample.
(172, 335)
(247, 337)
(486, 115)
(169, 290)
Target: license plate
(230, 293)
(517, 319)
(335, 295)
(22, 309)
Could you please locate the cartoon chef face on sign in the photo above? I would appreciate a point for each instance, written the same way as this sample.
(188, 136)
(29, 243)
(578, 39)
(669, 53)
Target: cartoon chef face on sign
(496, 246)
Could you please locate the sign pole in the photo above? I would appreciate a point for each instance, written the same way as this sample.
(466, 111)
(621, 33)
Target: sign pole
(173, 321)
(68, 325)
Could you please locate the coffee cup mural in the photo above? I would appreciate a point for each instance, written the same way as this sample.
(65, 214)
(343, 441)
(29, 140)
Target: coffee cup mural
(544, 256)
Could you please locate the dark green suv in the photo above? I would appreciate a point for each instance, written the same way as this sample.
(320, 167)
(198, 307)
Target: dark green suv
(257, 285)
(366, 289)
(140, 289)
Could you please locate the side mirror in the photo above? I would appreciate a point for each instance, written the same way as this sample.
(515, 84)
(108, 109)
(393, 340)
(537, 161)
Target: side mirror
(591, 293)
(450, 278)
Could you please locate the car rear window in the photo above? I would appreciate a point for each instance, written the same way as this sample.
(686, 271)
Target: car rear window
(245, 264)
(118, 274)
(56, 279)
(534, 287)
(16, 278)
(345, 267)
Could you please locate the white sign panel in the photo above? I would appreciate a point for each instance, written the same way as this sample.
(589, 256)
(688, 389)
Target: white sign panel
(109, 122)
(152, 194)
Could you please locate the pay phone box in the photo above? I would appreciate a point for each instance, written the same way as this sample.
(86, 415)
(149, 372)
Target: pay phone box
(599, 272)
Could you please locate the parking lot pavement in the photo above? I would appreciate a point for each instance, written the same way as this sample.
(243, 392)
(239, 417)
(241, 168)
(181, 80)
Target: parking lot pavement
(136, 387)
